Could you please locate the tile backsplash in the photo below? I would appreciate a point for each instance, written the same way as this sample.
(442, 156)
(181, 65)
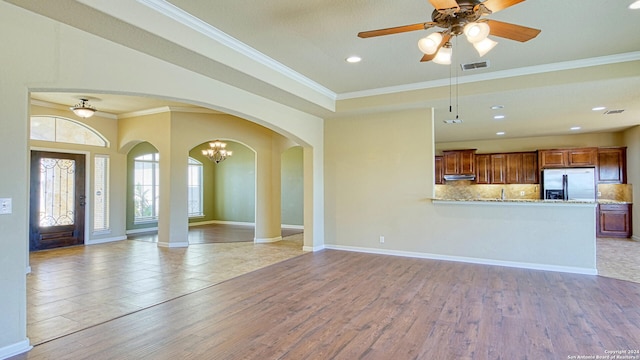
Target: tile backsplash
(470, 190)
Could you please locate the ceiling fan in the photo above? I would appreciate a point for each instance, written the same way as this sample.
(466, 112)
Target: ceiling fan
(459, 17)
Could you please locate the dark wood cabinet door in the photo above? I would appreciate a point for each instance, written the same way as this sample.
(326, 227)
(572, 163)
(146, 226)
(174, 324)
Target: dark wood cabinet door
(439, 174)
(514, 168)
(582, 157)
(612, 165)
(451, 163)
(529, 168)
(614, 220)
(483, 169)
(467, 162)
(552, 158)
(499, 168)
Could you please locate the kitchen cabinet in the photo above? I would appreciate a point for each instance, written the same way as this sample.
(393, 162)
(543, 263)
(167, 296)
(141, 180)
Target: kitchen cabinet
(483, 169)
(459, 162)
(560, 158)
(612, 165)
(498, 168)
(614, 220)
(439, 174)
(522, 168)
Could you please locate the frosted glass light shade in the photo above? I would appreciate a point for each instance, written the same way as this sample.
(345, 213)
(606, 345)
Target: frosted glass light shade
(476, 32)
(429, 44)
(443, 56)
(484, 46)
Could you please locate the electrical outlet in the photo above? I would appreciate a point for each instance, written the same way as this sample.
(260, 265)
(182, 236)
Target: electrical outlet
(381, 239)
(599, 194)
(521, 193)
(5, 206)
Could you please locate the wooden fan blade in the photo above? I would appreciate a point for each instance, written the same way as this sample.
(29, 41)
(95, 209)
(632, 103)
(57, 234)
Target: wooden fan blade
(512, 31)
(497, 5)
(445, 39)
(445, 4)
(395, 30)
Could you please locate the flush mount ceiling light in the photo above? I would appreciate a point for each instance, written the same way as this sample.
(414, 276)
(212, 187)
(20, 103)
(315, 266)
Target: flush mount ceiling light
(498, 117)
(217, 152)
(574, 128)
(635, 5)
(497, 107)
(598, 108)
(500, 133)
(457, 17)
(353, 59)
(83, 109)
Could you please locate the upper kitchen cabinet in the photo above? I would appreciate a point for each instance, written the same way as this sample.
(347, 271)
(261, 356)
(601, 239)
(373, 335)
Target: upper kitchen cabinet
(483, 169)
(612, 165)
(459, 163)
(522, 168)
(439, 174)
(560, 158)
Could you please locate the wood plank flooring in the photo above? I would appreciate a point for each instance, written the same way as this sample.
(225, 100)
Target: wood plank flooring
(344, 305)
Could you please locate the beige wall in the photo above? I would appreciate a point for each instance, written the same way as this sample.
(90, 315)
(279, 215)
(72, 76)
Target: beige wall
(379, 182)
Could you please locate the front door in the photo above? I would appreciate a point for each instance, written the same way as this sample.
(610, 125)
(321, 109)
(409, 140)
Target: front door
(57, 200)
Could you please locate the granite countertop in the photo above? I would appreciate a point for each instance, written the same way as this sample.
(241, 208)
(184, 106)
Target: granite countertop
(600, 201)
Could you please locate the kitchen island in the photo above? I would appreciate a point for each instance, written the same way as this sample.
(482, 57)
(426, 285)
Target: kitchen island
(529, 233)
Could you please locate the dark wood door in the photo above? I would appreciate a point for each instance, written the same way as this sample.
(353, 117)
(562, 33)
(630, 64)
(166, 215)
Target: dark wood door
(483, 169)
(57, 200)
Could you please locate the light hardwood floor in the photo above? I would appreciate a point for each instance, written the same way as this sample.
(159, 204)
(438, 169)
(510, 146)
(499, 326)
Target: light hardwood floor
(90, 286)
(344, 305)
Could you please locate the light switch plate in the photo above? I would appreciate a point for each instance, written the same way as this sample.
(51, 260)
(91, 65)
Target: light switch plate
(5, 206)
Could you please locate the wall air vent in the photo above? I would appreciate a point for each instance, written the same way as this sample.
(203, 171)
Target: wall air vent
(609, 112)
(474, 66)
(452, 121)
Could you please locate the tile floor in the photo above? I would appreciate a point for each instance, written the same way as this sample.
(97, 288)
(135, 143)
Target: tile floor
(74, 288)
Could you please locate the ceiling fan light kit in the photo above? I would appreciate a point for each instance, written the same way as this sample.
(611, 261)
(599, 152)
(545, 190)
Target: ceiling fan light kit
(430, 44)
(459, 17)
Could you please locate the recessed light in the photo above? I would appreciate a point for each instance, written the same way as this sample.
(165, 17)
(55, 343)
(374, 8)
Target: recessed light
(497, 107)
(498, 117)
(575, 128)
(354, 59)
(598, 108)
(635, 5)
(500, 133)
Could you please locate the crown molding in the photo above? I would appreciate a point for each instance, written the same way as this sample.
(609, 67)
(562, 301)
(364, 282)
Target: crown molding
(182, 17)
(164, 109)
(530, 70)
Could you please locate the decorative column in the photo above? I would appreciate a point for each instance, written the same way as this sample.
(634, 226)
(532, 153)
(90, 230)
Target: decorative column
(268, 206)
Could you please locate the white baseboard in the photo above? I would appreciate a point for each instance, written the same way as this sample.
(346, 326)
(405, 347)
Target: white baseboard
(635, 237)
(223, 222)
(267, 240)
(105, 240)
(15, 349)
(313, 248)
(514, 264)
(28, 269)
(292, 227)
(172, 245)
(140, 231)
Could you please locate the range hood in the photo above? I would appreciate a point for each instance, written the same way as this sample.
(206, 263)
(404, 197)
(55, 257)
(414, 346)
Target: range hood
(460, 177)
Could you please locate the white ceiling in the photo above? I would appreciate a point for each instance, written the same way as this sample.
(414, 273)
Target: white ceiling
(588, 54)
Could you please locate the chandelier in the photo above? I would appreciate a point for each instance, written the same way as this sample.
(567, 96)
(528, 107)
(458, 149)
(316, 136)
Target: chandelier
(217, 151)
(83, 109)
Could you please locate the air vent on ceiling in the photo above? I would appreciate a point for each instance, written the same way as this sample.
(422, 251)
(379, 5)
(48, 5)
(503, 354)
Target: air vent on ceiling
(474, 66)
(609, 112)
(453, 121)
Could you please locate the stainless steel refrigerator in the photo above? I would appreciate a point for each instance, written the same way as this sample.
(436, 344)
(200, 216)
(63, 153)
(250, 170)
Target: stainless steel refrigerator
(569, 184)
